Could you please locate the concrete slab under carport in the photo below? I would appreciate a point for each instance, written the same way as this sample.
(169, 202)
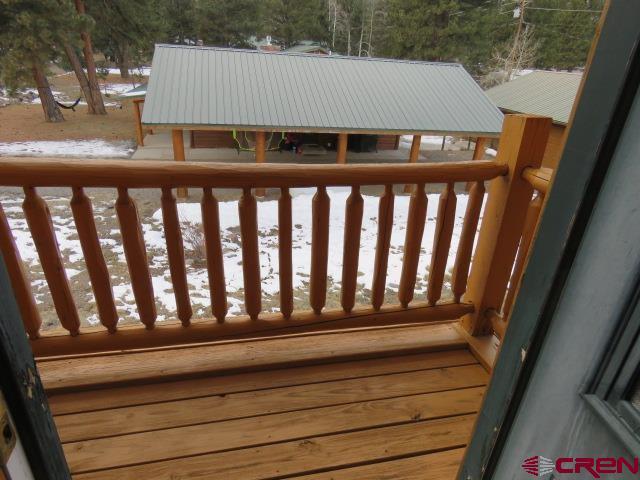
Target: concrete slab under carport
(158, 146)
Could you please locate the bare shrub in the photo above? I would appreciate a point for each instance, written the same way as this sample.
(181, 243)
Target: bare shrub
(194, 244)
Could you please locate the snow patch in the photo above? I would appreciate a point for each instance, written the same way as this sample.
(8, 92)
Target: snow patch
(96, 148)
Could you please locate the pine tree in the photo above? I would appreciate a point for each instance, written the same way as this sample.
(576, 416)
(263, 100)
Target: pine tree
(230, 23)
(30, 32)
(291, 21)
(181, 20)
(126, 31)
(95, 98)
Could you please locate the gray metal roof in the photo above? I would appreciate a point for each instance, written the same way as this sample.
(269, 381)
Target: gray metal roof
(540, 93)
(227, 88)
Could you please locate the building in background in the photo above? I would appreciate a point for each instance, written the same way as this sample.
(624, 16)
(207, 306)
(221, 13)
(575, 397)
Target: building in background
(550, 94)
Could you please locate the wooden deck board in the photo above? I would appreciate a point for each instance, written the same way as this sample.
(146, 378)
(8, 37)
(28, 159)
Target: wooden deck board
(103, 399)
(308, 455)
(164, 415)
(435, 466)
(178, 363)
(388, 417)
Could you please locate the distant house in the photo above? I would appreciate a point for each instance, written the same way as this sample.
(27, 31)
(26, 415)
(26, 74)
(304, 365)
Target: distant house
(308, 46)
(550, 94)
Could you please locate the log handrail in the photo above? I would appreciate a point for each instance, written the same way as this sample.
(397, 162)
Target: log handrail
(539, 178)
(474, 294)
(55, 172)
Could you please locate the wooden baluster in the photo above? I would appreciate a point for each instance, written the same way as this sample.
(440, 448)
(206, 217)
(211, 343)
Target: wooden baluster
(414, 154)
(417, 217)
(319, 250)
(284, 253)
(175, 252)
(351, 250)
(385, 224)
(441, 243)
(522, 144)
(94, 259)
(215, 259)
(250, 255)
(19, 280)
(467, 237)
(530, 224)
(39, 220)
(135, 253)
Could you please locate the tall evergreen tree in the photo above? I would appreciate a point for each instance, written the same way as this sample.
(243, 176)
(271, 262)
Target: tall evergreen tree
(95, 99)
(290, 21)
(30, 31)
(564, 31)
(181, 20)
(230, 23)
(126, 31)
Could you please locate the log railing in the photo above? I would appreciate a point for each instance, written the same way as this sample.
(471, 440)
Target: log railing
(540, 179)
(508, 197)
(522, 145)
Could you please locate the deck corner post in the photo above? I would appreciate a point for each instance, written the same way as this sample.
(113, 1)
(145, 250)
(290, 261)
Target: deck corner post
(523, 141)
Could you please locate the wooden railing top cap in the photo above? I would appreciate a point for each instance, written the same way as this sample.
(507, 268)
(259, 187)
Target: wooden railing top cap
(56, 172)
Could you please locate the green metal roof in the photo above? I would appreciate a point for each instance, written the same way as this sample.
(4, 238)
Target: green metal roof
(227, 88)
(550, 94)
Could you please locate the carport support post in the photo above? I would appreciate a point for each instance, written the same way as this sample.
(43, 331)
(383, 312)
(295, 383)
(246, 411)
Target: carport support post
(261, 153)
(136, 110)
(341, 156)
(478, 153)
(178, 155)
(413, 157)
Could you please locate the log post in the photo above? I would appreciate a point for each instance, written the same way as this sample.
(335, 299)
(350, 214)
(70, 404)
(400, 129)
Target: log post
(177, 140)
(261, 156)
(522, 145)
(341, 155)
(478, 153)
(138, 118)
(413, 157)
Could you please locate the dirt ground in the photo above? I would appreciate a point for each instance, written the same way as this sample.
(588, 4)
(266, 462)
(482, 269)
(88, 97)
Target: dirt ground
(23, 122)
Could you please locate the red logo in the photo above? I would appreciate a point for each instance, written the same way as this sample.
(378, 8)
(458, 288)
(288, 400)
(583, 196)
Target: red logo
(539, 466)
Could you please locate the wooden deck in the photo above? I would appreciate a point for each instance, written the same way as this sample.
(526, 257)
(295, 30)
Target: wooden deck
(395, 403)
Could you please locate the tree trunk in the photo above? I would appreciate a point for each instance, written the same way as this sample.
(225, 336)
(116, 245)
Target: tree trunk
(123, 61)
(80, 75)
(96, 96)
(51, 111)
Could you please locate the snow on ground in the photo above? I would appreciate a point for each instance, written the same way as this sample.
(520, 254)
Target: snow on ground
(424, 139)
(117, 88)
(96, 148)
(23, 95)
(144, 71)
(190, 218)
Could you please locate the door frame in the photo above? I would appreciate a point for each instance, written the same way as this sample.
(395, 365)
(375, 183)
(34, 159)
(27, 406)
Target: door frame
(608, 88)
(24, 394)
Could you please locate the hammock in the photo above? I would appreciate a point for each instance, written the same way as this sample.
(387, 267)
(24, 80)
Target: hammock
(69, 107)
(247, 142)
